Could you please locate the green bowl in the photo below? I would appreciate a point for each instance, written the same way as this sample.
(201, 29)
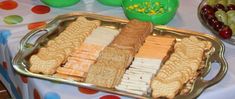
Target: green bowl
(156, 19)
(60, 3)
(111, 2)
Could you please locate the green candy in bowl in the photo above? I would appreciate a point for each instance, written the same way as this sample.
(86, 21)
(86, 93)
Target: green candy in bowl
(155, 11)
(111, 2)
(60, 3)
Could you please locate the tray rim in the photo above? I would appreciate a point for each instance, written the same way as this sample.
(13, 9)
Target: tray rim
(203, 86)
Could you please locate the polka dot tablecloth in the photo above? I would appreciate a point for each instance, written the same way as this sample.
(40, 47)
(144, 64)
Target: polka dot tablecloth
(18, 17)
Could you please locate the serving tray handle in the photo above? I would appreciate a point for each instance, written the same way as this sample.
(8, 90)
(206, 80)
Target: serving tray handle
(201, 84)
(223, 69)
(24, 43)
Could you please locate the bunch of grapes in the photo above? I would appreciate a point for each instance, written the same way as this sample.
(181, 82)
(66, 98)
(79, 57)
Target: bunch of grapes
(220, 14)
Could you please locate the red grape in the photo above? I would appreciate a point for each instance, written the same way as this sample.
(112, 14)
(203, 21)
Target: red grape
(208, 16)
(218, 25)
(219, 6)
(231, 7)
(207, 9)
(225, 32)
(212, 21)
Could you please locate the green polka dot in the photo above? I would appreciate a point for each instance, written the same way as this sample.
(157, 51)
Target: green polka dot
(13, 19)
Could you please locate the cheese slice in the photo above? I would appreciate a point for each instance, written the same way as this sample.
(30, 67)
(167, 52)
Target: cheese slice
(136, 78)
(154, 67)
(161, 40)
(142, 70)
(134, 88)
(137, 72)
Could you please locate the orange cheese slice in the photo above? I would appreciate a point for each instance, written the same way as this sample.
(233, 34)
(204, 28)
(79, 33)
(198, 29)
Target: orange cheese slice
(71, 72)
(160, 40)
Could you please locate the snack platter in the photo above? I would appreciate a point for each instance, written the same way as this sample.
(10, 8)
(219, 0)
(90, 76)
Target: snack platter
(205, 24)
(23, 61)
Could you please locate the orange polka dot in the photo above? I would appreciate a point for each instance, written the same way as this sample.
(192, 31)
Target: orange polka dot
(36, 94)
(40, 9)
(24, 78)
(35, 25)
(4, 64)
(8, 5)
(110, 97)
(87, 91)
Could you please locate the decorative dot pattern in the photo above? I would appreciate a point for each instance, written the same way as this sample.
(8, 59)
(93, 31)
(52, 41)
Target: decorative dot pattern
(8, 5)
(36, 94)
(87, 91)
(4, 35)
(24, 79)
(13, 19)
(40, 9)
(51, 95)
(4, 65)
(35, 25)
(110, 97)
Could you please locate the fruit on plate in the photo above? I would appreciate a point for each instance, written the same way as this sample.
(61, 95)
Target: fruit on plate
(231, 7)
(220, 15)
(231, 17)
(232, 26)
(225, 32)
(231, 2)
(219, 6)
(223, 2)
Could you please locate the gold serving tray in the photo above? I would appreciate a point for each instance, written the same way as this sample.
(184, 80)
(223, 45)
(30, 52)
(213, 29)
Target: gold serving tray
(37, 38)
(205, 24)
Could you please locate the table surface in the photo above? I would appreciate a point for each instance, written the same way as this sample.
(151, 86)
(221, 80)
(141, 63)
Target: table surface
(30, 12)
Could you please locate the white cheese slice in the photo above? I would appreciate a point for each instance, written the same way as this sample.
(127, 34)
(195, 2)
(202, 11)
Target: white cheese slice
(147, 81)
(134, 83)
(152, 70)
(138, 77)
(134, 88)
(145, 67)
(142, 70)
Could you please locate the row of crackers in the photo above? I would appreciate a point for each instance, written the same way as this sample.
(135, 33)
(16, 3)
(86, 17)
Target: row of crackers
(55, 53)
(116, 58)
(181, 67)
(81, 59)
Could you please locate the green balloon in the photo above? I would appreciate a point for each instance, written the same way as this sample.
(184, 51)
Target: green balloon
(13, 19)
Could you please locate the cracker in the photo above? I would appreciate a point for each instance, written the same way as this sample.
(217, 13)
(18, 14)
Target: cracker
(95, 70)
(45, 54)
(168, 90)
(119, 77)
(181, 67)
(39, 65)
